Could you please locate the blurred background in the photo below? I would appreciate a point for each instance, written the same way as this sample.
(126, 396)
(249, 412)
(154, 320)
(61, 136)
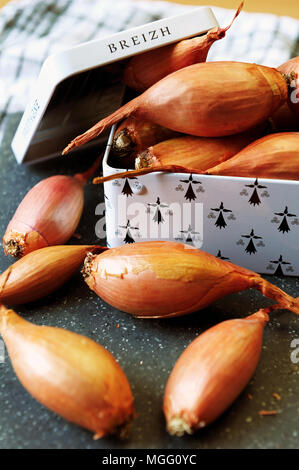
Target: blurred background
(289, 8)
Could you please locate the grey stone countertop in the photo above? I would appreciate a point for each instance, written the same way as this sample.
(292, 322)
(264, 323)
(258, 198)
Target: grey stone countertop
(146, 350)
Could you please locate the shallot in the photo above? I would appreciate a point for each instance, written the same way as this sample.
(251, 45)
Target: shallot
(48, 215)
(211, 99)
(212, 372)
(70, 374)
(41, 272)
(162, 279)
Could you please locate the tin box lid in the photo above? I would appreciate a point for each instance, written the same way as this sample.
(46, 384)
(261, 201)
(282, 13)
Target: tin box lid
(78, 86)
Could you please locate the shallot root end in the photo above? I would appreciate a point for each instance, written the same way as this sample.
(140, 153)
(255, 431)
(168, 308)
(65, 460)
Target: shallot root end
(178, 427)
(289, 77)
(143, 160)
(122, 143)
(86, 270)
(14, 248)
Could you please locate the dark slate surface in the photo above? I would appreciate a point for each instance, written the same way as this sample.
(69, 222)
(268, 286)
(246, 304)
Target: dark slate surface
(147, 350)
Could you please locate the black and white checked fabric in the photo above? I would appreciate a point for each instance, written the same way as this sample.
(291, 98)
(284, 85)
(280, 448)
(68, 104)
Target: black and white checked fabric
(30, 30)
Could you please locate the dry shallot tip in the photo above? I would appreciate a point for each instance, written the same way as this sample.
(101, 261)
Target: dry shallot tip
(14, 248)
(277, 396)
(289, 77)
(143, 160)
(86, 270)
(267, 413)
(122, 143)
(178, 427)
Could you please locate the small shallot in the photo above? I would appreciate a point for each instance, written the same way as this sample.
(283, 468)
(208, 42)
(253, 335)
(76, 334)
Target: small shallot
(70, 374)
(273, 156)
(211, 372)
(41, 272)
(212, 99)
(48, 215)
(144, 70)
(166, 279)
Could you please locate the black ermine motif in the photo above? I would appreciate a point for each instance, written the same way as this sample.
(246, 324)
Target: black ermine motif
(158, 215)
(284, 226)
(190, 194)
(254, 199)
(280, 262)
(127, 190)
(251, 246)
(219, 255)
(220, 222)
(189, 234)
(128, 238)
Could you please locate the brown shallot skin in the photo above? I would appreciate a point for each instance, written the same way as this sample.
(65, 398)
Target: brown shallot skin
(211, 99)
(41, 272)
(144, 70)
(69, 373)
(197, 153)
(273, 156)
(160, 279)
(211, 372)
(292, 67)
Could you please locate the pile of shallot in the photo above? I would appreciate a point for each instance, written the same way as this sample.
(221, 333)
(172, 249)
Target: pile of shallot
(215, 118)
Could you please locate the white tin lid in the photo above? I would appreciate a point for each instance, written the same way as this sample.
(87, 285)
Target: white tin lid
(77, 87)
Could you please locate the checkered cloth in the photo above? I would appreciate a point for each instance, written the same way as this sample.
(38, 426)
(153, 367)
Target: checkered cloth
(30, 30)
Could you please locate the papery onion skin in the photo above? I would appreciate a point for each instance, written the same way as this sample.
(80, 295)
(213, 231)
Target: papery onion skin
(162, 279)
(144, 70)
(41, 272)
(290, 66)
(68, 373)
(211, 99)
(211, 372)
(273, 156)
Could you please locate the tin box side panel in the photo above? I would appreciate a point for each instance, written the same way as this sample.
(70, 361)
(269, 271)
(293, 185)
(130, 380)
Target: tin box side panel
(250, 222)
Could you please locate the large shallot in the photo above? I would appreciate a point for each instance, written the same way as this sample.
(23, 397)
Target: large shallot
(166, 279)
(211, 99)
